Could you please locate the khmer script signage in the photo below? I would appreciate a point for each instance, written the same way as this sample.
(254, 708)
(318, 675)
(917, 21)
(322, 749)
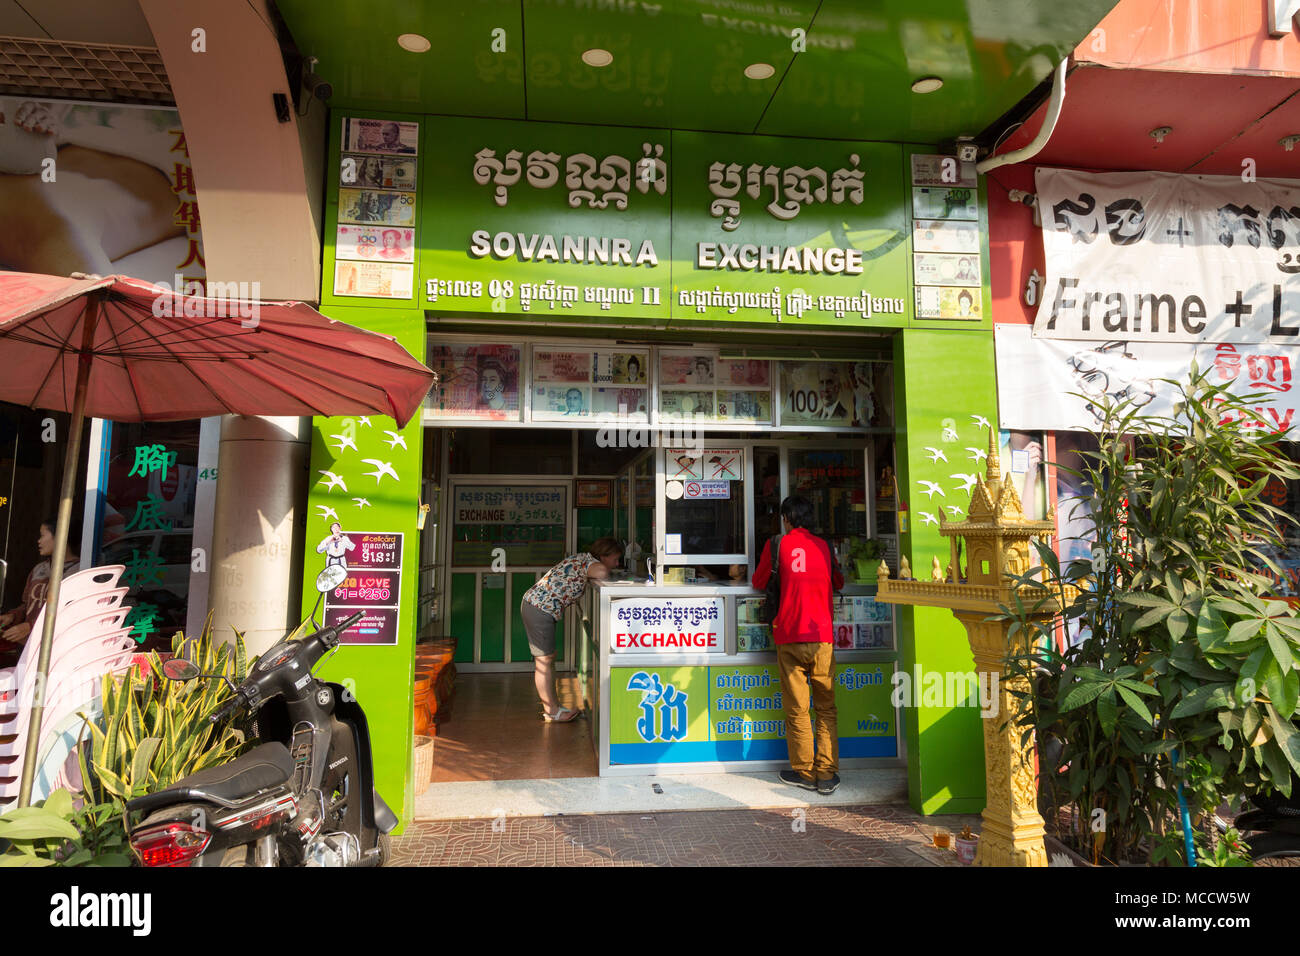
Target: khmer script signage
(554, 220)
(1162, 257)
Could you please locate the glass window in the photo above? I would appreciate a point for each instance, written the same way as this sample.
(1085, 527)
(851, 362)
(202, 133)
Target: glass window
(511, 451)
(710, 527)
(834, 481)
(704, 506)
(148, 522)
(599, 456)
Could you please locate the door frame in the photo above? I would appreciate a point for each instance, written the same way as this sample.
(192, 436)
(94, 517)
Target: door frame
(565, 483)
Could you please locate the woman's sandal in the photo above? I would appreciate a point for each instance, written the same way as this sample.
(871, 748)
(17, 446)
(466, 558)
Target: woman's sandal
(561, 716)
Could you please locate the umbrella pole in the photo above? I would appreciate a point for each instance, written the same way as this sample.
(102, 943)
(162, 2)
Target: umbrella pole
(30, 754)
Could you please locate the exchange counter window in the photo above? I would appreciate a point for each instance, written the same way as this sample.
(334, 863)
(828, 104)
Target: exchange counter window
(704, 507)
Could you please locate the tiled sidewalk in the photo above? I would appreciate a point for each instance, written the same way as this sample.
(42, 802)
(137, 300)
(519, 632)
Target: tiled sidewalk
(819, 836)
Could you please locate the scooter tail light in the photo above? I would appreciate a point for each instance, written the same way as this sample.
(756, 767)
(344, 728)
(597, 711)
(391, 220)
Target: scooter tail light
(170, 844)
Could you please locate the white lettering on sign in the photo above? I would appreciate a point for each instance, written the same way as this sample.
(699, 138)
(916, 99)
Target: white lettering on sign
(655, 640)
(535, 247)
(747, 257)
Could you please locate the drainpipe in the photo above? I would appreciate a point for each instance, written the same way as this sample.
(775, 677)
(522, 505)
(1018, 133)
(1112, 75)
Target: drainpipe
(1044, 133)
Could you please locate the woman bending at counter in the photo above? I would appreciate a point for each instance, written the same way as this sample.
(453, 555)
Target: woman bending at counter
(543, 606)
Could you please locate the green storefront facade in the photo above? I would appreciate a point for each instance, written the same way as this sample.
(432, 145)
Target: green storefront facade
(524, 230)
(767, 181)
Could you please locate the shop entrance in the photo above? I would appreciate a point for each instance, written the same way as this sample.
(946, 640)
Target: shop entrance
(502, 534)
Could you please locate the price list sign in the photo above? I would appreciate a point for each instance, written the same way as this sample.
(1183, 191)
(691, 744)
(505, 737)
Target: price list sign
(373, 586)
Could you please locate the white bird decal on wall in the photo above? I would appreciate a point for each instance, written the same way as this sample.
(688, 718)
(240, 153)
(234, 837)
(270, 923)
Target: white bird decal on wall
(381, 468)
(327, 512)
(333, 481)
(977, 455)
(954, 510)
(981, 421)
(936, 454)
(362, 503)
(931, 488)
(967, 481)
(395, 439)
(927, 518)
(345, 441)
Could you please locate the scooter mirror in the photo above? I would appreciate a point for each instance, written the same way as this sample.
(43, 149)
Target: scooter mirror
(179, 669)
(330, 578)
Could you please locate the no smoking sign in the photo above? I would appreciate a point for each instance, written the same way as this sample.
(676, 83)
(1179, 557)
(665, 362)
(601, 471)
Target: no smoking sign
(708, 489)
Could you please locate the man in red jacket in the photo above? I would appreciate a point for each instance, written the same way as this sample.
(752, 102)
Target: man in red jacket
(804, 648)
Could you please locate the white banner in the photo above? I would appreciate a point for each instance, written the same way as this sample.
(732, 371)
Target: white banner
(1036, 377)
(1163, 257)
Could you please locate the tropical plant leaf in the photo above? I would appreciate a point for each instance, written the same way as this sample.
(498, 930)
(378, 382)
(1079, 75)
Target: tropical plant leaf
(1203, 698)
(1135, 702)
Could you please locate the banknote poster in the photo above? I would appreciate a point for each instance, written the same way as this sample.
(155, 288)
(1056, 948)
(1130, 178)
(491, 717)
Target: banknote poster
(933, 170)
(742, 373)
(368, 171)
(629, 403)
(947, 302)
(678, 406)
(933, 268)
(938, 235)
(475, 381)
(816, 393)
(627, 368)
(375, 206)
(553, 366)
(745, 406)
(944, 202)
(380, 280)
(561, 401)
(380, 136)
(379, 243)
(676, 368)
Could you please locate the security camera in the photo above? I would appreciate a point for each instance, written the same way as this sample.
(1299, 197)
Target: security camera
(967, 152)
(318, 87)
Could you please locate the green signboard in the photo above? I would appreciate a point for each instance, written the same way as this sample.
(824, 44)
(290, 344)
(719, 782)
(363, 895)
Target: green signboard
(790, 230)
(736, 712)
(560, 222)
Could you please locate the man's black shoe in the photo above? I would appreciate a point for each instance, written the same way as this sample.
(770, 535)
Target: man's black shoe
(827, 786)
(798, 780)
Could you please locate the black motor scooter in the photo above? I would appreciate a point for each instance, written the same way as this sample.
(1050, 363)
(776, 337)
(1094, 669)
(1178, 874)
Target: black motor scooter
(304, 796)
(1272, 828)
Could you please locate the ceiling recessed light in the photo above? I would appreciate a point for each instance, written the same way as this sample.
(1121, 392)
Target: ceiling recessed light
(759, 71)
(413, 42)
(597, 57)
(927, 84)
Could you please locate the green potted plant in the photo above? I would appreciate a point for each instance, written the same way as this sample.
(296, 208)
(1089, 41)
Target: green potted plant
(866, 555)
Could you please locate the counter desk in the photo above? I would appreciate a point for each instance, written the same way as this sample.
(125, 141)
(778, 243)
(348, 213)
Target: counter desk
(684, 679)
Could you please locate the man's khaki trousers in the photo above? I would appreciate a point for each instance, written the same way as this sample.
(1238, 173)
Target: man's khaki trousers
(804, 666)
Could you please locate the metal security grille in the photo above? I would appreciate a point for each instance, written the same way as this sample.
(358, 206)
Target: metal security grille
(83, 71)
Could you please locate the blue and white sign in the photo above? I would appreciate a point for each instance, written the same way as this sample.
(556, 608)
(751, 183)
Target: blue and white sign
(708, 489)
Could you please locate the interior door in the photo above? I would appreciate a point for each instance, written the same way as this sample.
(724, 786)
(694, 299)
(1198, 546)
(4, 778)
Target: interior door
(502, 534)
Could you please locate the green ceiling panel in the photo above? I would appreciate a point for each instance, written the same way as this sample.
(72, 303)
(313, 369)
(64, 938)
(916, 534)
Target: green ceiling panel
(680, 64)
(356, 44)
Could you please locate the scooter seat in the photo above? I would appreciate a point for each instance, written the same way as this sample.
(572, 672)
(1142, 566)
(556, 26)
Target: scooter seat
(267, 765)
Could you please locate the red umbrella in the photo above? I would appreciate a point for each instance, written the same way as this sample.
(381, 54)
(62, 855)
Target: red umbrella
(129, 351)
